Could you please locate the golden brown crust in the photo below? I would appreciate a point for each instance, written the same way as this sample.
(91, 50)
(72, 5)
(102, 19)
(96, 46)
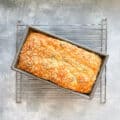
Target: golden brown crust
(60, 62)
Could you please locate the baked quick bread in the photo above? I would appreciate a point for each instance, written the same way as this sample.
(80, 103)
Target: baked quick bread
(60, 62)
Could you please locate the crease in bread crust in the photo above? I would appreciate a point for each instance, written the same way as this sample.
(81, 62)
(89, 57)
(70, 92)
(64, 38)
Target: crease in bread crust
(60, 62)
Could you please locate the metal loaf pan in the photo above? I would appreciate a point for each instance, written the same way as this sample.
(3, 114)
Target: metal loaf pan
(103, 56)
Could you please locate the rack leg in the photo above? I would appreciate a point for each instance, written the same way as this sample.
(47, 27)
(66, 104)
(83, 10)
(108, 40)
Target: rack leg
(103, 88)
(18, 87)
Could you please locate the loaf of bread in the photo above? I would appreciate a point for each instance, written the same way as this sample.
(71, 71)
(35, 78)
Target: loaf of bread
(59, 62)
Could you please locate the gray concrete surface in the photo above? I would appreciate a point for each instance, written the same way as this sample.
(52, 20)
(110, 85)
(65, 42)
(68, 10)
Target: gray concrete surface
(66, 12)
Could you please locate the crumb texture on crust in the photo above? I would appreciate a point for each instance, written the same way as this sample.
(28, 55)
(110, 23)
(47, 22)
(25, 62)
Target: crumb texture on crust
(60, 62)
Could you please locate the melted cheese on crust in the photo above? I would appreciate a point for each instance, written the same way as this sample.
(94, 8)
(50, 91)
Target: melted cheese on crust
(60, 62)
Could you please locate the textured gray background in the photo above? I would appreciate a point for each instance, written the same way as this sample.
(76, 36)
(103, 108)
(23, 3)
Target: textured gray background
(55, 12)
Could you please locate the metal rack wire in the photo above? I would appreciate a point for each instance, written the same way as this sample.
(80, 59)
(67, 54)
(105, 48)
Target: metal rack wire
(91, 35)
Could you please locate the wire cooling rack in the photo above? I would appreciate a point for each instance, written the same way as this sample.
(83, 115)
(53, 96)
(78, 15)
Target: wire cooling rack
(91, 35)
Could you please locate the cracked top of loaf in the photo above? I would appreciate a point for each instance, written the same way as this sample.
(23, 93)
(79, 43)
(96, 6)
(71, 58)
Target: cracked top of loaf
(59, 62)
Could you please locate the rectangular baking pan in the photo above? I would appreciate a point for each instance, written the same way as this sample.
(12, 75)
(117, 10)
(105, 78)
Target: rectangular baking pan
(103, 56)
